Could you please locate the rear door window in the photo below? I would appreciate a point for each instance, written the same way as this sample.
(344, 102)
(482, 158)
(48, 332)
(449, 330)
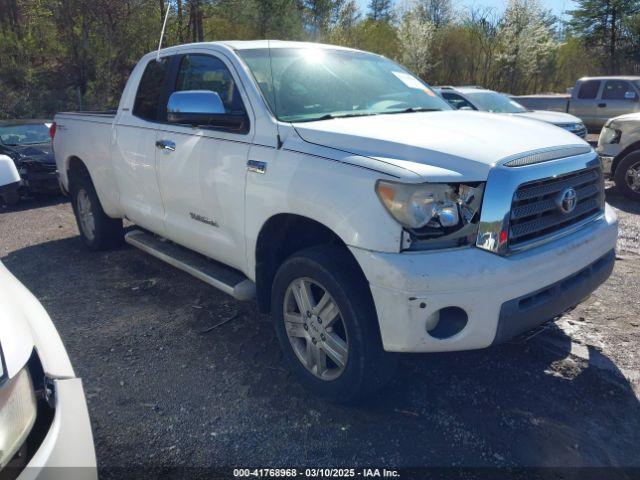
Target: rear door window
(147, 104)
(589, 89)
(618, 90)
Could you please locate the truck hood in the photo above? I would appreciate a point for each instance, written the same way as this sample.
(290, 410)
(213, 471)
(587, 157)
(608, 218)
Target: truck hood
(24, 327)
(437, 146)
(556, 118)
(627, 117)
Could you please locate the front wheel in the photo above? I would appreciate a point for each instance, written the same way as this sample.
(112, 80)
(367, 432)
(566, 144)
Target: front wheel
(327, 326)
(627, 176)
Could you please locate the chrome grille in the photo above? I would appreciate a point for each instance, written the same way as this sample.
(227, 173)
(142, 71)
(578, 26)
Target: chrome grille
(536, 212)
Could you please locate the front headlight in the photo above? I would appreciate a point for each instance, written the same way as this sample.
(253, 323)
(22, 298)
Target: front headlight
(445, 214)
(610, 135)
(574, 127)
(17, 414)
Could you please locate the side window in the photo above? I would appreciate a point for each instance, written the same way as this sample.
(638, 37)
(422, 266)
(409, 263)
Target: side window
(456, 101)
(147, 103)
(589, 89)
(618, 90)
(204, 72)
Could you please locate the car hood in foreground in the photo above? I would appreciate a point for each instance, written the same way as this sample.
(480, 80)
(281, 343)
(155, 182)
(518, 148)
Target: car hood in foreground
(25, 326)
(557, 118)
(437, 146)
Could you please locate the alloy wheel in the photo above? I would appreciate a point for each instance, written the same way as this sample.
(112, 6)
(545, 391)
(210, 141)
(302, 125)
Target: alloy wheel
(85, 214)
(315, 328)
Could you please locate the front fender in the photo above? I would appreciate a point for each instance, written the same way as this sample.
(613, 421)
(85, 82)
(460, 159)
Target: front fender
(335, 194)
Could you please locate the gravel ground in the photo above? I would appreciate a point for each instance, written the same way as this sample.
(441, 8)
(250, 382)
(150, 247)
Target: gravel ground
(163, 391)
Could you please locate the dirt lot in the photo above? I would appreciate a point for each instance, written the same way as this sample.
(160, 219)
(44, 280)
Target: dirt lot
(163, 391)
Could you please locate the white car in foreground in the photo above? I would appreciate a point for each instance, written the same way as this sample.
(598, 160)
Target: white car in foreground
(9, 181)
(44, 422)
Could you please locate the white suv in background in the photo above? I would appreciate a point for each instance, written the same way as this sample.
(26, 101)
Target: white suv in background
(619, 150)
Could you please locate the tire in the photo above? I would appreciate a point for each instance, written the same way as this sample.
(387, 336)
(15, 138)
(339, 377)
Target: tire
(330, 269)
(627, 176)
(97, 230)
(11, 199)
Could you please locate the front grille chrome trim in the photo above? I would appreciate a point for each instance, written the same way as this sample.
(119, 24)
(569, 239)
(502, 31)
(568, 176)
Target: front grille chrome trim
(503, 182)
(556, 235)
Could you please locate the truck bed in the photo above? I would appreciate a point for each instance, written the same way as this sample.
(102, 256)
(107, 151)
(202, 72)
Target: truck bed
(556, 102)
(101, 116)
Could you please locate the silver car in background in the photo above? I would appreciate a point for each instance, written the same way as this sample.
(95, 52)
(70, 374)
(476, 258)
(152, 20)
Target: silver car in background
(619, 150)
(478, 98)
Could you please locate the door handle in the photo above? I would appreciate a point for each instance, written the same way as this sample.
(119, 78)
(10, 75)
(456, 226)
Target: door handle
(602, 105)
(166, 145)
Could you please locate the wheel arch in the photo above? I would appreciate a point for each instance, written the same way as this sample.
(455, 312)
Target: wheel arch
(75, 166)
(634, 147)
(281, 236)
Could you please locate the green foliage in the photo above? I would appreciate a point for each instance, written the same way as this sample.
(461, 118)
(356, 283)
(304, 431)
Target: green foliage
(610, 27)
(77, 54)
(380, 10)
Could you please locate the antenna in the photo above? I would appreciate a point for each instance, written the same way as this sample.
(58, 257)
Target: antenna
(275, 99)
(164, 25)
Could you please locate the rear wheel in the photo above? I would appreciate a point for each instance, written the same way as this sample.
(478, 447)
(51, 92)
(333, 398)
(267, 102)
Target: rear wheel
(627, 176)
(97, 230)
(327, 326)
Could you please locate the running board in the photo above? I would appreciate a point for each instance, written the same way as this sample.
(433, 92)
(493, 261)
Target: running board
(209, 271)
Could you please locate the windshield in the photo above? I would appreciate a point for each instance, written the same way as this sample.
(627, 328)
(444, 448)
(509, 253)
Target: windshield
(495, 102)
(24, 134)
(318, 84)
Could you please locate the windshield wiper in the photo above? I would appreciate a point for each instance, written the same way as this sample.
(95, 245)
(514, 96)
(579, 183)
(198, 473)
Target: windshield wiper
(413, 110)
(331, 116)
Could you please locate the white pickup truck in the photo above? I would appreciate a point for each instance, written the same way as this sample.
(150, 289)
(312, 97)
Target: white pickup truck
(344, 195)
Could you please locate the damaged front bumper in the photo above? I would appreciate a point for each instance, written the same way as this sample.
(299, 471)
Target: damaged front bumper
(39, 177)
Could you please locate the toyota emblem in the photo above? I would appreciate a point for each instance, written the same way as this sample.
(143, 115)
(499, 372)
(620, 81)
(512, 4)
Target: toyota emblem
(567, 200)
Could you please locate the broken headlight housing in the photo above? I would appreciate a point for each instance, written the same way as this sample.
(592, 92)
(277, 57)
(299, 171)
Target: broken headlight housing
(434, 215)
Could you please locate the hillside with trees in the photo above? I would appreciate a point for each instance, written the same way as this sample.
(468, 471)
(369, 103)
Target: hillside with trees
(72, 54)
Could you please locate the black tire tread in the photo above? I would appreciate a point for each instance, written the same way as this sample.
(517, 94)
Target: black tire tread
(620, 173)
(109, 232)
(374, 367)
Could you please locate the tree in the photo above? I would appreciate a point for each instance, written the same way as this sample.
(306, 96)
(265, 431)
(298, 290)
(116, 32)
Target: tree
(416, 34)
(380, 10)
(321, 15)
(346, 29)
(438, 12)
(527, 44)
(603, 24)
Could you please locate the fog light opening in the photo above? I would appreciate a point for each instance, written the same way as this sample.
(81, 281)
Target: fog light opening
(451, 321)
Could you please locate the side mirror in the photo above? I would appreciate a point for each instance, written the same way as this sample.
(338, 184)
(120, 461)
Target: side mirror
(630, 95)
(203, 108)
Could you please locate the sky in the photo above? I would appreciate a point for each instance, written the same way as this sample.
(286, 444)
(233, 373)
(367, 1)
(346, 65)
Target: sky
(557, 6)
